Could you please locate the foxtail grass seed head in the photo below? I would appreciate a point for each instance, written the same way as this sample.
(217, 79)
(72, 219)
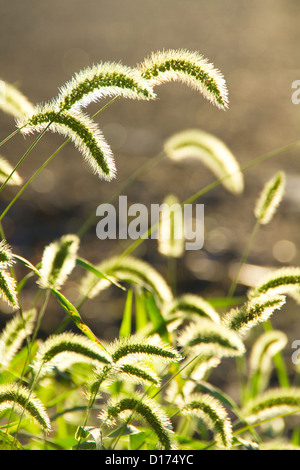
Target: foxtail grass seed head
(83, 132)
(137, 374)
(271, 404)
(103, 80)
(8, 289)
(22, 400)
(264, 349)
(206, 337)
(6, 256)
(280, 281)
(13, 335)
(211, 151)
(148, 410)
(257, 310)
(270, 198)
(213, 414)
(189, 306)
(123, 349)
(58, 261)
(13, 102)
(8, 285)
(129, 269)
(190, 68)
(66, 349)
(5, 170)
(171, 230)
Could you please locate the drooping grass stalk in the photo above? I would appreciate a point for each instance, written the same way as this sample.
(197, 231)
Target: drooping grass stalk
(189, 306)
(257, 310)
(264, 211)
(134, 245)
(73, 348)
(58, 261)
(13, 101)
(83, 132)
(45, 163)
(210, 338)
(13, 335)
(214, 415)
(25, 400)
(196, 144)
(190, 68)
(132, 270)
(262, 354)
(272, 403)
(282, 373)
(103, 79)
(148, 409)
(29, 349)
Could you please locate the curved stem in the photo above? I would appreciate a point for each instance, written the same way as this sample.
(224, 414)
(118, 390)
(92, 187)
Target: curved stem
(9, 137)
(31, 179)
(25, 155)
(44, 164)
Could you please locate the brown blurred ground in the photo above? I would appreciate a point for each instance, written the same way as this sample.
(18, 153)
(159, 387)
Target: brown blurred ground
(256, 46)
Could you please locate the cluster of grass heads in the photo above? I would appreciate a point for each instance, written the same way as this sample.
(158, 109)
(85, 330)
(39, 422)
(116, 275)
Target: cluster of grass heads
(151, 387)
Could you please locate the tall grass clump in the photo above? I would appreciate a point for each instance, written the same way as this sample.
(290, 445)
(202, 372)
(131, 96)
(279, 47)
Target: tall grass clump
(155, 384)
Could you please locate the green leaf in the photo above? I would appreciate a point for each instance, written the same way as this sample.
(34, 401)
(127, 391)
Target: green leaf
(124, 430)
(8, 442)
(137, 440)
(125, 329)
(84, 432)
(74, 314)
(156, 317)
(141, 318)
(92, 269)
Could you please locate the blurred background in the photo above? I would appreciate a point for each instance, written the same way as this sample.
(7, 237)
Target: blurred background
(255, 45)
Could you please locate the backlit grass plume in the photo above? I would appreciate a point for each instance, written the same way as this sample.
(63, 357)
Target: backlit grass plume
(270, 198)
(213, 414)
(189, 306)
(146, 409)
(65, 349)
(8, 285)
(211, 151)
(81, 129)
(138, 374)
(280, 281)
(123, 349)
(209, 338)
(171, 229)
(134, 372)
(58, 261)
(257, 310)
(6, 256)
(189, 68)
(5, 170)
(8, 289)
(272, 403)
(102, 80)
(13, 335)
(129, 269)
(260, 362)
(24, 400)
(12, 101)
